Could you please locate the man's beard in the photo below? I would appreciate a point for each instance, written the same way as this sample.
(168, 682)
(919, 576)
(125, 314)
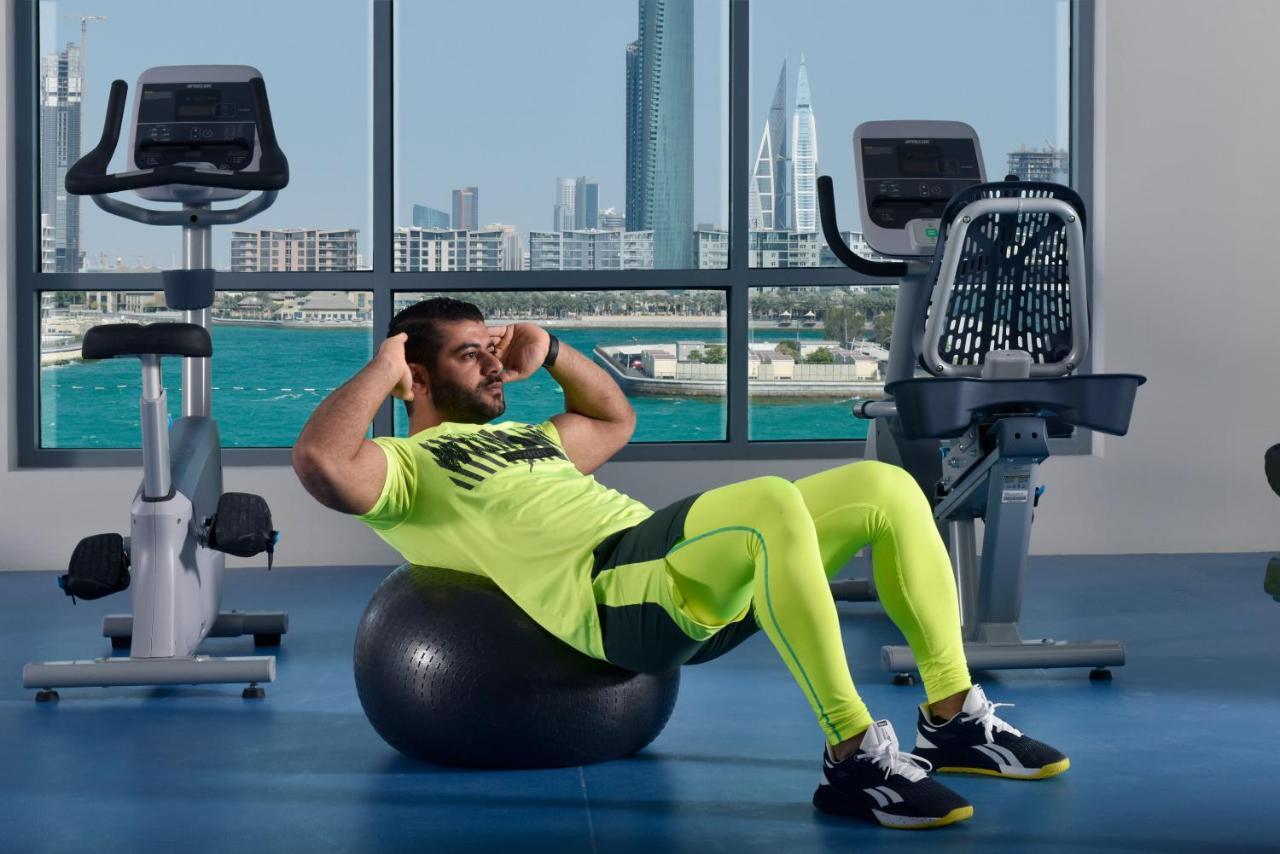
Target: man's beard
(464, 405)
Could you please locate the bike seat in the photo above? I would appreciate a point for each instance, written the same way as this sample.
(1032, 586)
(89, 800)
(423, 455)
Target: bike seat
(157, 339)
(945, 407)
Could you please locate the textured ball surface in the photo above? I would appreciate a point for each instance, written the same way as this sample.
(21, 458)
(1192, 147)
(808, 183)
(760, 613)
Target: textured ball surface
(451, 671)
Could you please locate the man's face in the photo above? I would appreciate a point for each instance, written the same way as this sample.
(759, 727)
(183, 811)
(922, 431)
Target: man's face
(465, 385)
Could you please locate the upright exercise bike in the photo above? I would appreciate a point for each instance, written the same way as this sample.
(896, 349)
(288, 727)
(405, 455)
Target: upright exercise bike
(992, 322)
(200, 134)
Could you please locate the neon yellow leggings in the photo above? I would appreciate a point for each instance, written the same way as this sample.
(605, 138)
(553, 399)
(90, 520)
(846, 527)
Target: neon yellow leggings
(775, 544)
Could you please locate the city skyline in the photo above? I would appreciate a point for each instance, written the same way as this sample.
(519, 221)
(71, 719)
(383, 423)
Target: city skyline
(579, 152)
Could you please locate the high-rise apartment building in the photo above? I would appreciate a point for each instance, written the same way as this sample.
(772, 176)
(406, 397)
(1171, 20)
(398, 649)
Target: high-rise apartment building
(612, 220)
(61, 96)
(659, 89)
(591, 249)
(804, 134)
(713, 249)
(466, 208)
(48, 243)
(294, 250)
(1049, 164)
(440, 250)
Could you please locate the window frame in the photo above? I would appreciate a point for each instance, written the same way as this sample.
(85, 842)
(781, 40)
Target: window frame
(736, 281)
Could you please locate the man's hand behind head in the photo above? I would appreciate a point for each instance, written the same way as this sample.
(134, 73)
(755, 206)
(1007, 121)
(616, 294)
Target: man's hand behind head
(392, 351)
(521, 347)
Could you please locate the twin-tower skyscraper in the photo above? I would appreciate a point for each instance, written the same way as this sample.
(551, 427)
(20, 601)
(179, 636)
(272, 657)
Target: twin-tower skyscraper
(783, 193)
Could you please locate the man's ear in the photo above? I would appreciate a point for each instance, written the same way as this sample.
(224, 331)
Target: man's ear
(421, 386)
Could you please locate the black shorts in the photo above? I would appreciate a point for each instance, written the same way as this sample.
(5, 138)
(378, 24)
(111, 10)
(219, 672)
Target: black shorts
(643, 637)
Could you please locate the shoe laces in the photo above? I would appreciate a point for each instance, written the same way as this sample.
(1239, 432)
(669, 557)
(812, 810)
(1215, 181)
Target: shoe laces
(893, 761)
(990, 722)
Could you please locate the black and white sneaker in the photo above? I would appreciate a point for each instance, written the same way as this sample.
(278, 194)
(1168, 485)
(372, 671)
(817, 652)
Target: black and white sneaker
(881, 785)
(977, 742)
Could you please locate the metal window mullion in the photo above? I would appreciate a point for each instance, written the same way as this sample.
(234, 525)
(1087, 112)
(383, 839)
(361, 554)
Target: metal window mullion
(1080, 129)
(738, 308)
(26, 149)
(384, 191)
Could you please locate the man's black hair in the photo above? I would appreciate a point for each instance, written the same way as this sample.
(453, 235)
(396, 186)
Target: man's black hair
(422, 321)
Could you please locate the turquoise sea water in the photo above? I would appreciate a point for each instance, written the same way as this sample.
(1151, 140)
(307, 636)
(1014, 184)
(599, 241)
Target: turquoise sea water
(268, 380)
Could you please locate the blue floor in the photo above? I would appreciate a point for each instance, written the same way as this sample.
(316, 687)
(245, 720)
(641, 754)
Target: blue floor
(1177, 754)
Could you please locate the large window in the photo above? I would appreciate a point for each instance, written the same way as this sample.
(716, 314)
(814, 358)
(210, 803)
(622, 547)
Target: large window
(665, 349)
(820, 68)
(635, 176)
(814, 352)
(561, 136)
(319, 90)
(277, 354)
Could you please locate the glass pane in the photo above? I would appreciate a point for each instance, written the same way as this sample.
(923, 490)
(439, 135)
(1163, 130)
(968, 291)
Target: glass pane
(554, 136)
(813, 353)
(276, 355)
(809, 91)
(665, 348)
(320, 90)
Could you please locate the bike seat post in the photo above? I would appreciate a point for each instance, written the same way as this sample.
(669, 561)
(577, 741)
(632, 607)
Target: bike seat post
(155, 430)
(197, 379)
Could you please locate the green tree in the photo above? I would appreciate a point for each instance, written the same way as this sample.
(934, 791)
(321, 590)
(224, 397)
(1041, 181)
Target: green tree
(714, 355)
(821, 356)
(883, 326)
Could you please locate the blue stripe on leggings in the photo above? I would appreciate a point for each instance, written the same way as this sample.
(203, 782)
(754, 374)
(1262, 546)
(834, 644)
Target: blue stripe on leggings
(768, 595)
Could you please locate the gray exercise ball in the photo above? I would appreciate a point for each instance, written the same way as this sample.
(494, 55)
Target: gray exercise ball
(450, 671)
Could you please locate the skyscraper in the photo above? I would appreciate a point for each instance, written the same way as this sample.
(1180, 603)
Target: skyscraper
(781, 155)
(660, 130)
(804, 186)
(563, 217)
(634, 190)
(760, 200)
(466, 208)
(61, 91)
(586, 195)
(426, 217)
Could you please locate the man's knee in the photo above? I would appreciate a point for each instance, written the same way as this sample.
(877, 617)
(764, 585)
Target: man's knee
(775, 493)
(774, 501)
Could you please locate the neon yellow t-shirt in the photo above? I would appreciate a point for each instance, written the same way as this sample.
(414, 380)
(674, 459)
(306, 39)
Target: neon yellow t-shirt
(503, 500)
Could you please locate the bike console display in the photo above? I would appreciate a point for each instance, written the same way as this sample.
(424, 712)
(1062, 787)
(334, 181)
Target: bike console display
(907, 172)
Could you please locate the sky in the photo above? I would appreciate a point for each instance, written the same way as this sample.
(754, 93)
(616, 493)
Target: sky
(508, 95)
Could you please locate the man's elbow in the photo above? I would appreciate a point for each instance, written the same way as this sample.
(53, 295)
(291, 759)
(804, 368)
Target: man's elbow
(629, 417)
(305, 462)
(312, 472)
(627, 425)
(626, 429)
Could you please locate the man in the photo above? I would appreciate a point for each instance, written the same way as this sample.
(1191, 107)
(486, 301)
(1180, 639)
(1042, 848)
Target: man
(653, 590)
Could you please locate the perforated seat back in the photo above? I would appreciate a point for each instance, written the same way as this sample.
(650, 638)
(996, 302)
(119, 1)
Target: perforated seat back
(1010, 281)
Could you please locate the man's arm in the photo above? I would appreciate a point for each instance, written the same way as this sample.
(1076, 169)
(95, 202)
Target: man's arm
(598, 419)
(333, 459)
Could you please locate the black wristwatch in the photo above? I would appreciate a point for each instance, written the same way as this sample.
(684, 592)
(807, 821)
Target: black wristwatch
(552, 351)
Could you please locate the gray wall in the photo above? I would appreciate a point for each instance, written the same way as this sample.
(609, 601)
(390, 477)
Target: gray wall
(1187, 179)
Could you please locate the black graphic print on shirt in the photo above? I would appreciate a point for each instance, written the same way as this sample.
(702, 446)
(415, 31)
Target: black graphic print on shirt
(481, 454)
